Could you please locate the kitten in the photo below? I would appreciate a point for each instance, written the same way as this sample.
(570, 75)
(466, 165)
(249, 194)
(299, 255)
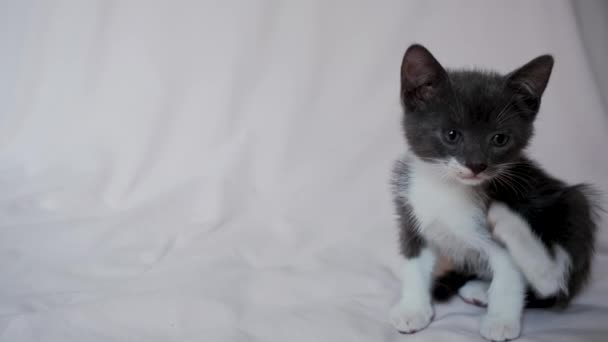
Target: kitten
(516, 235)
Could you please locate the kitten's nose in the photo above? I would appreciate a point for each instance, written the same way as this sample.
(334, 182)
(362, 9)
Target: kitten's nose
(476, 168)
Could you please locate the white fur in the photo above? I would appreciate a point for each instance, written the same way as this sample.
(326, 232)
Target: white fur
(414, 311)
(506, 297)
(452, 219)
(498, 328)
(546, 274)
(475, 292)
(450, 215)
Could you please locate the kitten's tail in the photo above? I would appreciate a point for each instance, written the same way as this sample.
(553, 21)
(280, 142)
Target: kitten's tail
(533, 302)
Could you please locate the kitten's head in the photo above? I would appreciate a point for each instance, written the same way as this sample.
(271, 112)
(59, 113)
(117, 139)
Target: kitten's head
(469, 124)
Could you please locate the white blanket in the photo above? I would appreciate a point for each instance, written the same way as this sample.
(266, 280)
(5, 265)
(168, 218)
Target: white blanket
(218, 170)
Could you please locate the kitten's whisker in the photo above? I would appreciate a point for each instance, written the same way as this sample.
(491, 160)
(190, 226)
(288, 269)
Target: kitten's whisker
(506, 182)
(519, 175)
(516, 179)
(503, 165)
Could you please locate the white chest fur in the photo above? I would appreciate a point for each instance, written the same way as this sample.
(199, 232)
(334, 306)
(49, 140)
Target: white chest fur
(451, 215)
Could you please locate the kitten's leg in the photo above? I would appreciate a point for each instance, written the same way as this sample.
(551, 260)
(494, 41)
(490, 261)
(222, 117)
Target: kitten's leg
(475, 292)
(546, 274)
(506, 297)
(414, 310)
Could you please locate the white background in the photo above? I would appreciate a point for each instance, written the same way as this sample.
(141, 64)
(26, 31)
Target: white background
(218, 170)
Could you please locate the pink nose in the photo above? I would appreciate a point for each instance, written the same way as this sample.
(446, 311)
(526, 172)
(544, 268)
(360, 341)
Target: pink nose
(476, 168)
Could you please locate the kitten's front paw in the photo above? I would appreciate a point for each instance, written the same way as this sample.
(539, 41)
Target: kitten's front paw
(499, 328)
(408, 318)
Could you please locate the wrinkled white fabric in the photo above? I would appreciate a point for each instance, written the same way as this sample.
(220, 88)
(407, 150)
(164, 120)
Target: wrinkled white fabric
(218, 170)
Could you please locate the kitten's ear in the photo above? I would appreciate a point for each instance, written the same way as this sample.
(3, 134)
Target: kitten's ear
(421, 77)
(532, 78)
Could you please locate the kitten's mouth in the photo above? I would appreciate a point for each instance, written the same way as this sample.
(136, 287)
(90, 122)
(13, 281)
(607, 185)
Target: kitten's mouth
(471, 179)
(473, 175)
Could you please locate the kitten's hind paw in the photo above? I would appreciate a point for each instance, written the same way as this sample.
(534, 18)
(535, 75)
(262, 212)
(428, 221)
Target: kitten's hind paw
(408, 319)
(475, 292)
(498, 328)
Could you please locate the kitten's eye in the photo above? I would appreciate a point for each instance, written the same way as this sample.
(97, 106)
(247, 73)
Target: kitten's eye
(452, 136)
(500, 139)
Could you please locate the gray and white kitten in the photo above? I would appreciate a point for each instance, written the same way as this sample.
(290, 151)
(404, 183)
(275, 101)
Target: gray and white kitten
(516, 235)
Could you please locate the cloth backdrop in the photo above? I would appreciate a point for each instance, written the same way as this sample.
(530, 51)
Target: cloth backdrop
(218, 170)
